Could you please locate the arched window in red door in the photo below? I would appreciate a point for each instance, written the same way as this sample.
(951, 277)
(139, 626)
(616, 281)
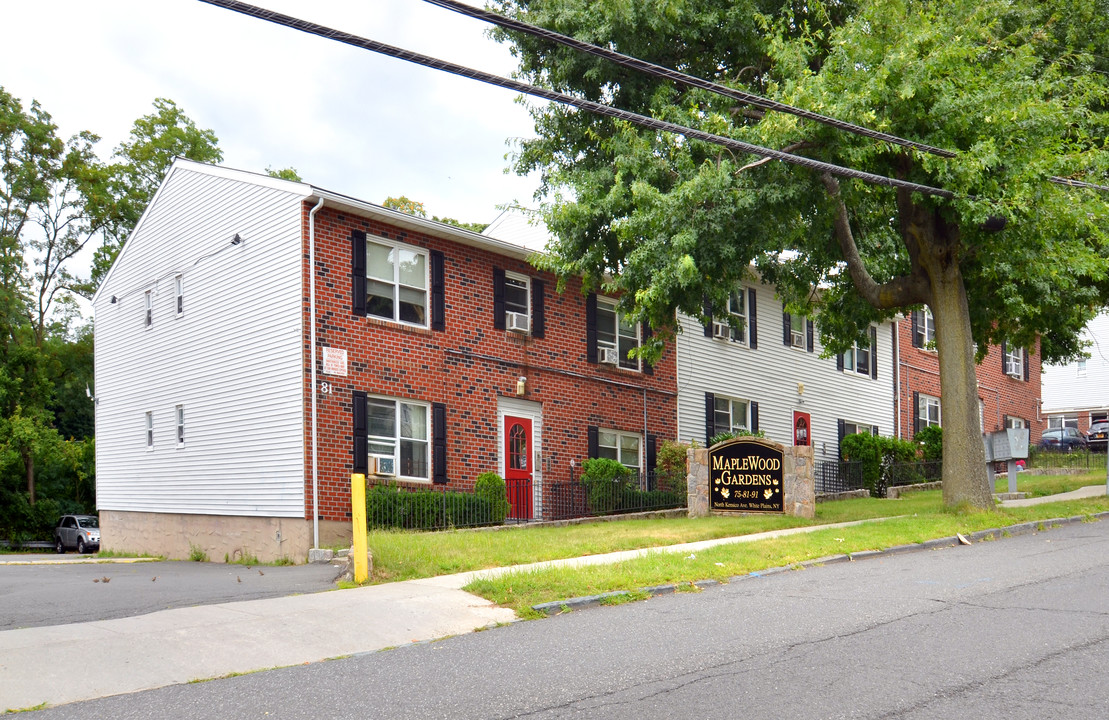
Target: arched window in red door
(801, 431)
(517, 447)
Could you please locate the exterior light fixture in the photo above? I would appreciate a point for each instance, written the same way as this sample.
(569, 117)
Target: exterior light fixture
(522, 386)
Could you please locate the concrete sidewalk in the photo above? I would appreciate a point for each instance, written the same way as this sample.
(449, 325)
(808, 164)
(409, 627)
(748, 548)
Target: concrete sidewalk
(67, 663)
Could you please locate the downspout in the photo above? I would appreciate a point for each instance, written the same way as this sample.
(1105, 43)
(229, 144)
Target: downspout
(897, 377)
(312, 345)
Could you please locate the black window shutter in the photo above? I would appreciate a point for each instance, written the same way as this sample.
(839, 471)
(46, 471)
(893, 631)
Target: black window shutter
(438, 291)
(645, 333)
(706, 306)
(875, 431)
(916, 412)
(591, 328)
(1026, 366)
(498, 299)
(873, 353)
(1004, 360)
(839, 362)
(538, 313)
(752, 332)
(840, 432)
(439, 443)
(710, 417)
(358, 411)
(652, 454)
(593, 442)
(918, 340)
(357, 272)
(786, 330)
(810, 332)
(754, 417)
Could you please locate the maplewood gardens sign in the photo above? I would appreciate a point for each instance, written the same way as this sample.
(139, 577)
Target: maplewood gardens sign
(746, 475)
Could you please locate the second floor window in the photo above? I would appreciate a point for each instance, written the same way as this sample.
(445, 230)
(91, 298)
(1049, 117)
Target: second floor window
(179, 294)
(396, 283)
(180, 425)
(149, 431)
(924, 329)
(148, 308)
(616, 335)
(1014, 362)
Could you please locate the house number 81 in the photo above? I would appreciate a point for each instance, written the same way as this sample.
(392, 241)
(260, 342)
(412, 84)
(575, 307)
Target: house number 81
(325, 387)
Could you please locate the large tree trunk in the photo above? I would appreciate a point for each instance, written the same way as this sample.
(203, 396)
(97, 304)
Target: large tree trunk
(965, 480)
(29, 466)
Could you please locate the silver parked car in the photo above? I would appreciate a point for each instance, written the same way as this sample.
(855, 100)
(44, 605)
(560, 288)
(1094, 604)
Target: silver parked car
(81, 532)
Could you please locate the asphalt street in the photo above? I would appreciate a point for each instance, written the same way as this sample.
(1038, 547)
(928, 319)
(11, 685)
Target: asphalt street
(1014, 628)
(82, 591)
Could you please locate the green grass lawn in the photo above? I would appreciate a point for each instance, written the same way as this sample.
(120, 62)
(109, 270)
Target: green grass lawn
(912, 519)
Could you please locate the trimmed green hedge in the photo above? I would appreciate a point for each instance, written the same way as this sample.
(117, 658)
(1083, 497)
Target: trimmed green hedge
(388, 506)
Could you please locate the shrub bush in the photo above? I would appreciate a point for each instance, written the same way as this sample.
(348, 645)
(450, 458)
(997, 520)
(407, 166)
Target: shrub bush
(671, 468)
(390, 506)
(604, 479)
(721, 437)
(491, 486)
(876, 453)
(930, 440)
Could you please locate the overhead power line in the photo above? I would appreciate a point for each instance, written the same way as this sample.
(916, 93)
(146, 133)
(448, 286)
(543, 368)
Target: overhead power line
(588, 105)
(659, 71)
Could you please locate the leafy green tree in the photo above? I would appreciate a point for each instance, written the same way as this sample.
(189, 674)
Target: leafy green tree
(142, 162)
(405, 205)
(284, 174)
(1018, 89)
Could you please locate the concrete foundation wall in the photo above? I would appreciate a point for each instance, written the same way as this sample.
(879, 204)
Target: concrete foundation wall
(219, 536)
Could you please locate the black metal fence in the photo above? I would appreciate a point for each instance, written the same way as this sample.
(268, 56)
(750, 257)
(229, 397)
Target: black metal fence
(914, 473)
(1062, 460)
(835, 476)
(430, 508)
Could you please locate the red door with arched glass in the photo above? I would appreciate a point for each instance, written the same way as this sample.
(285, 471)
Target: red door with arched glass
(517, 466)
(801, 434)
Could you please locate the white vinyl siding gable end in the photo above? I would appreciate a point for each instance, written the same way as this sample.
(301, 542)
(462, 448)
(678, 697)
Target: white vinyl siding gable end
(233, 362)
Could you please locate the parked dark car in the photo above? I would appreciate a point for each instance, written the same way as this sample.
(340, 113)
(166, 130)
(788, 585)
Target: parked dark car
(79, 532)
(1099, 435)
(1065, 439)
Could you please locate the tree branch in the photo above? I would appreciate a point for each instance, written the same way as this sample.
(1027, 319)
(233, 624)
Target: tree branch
(901, 291)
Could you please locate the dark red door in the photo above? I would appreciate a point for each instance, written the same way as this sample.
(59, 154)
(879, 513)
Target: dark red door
(517, 466)
(801, 428)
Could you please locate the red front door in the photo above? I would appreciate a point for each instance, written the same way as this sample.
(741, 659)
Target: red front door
(801, 428)
(517, 466)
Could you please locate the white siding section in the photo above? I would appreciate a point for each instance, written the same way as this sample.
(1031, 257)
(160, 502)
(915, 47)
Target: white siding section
(1066, 389)
(769, 375)
(232, 359)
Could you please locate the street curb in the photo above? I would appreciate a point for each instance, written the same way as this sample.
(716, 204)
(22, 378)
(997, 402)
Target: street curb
(558, 607)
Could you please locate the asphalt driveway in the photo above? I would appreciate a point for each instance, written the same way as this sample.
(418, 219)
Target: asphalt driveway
(79, 589)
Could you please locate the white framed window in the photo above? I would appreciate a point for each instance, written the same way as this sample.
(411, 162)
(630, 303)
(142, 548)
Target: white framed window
(737, 308)
(858, 360)
(179, 412)
(1081, 368)
(397, 282)
(1062, 421)
(927, 411)
(797, 331)
(620, 446)
(1014, 362)
(149, 430)
(400, 429)
(615, 332)
(179, 294)
(730, 415)
(517, 300)
(148, 308)
(1014, 422)
(850, 428)
(925, 329)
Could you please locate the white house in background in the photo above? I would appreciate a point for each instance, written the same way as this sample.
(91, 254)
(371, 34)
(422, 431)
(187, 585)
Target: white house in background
(770, 375)
(1077, 394)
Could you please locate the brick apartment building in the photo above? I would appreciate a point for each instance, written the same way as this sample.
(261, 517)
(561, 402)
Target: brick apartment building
(1008, 382)
(259, 340)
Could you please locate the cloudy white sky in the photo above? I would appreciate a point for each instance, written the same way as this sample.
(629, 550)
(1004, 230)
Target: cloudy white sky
(348, 120)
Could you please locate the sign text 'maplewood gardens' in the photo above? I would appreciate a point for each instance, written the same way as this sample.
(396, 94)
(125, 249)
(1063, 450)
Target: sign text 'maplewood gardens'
(745, 475)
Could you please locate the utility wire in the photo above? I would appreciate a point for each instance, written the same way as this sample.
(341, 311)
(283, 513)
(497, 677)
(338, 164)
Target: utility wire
(692, 81)
(605, 110)
(659, 71)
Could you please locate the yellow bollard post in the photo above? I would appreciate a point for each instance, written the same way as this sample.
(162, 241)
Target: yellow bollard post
(358, 520)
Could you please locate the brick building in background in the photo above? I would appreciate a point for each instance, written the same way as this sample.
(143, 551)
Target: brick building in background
(258, 340)
(1008, 382)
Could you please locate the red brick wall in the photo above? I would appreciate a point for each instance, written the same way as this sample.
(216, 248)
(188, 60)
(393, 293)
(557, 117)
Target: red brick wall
(1000, 394)
(467, 366)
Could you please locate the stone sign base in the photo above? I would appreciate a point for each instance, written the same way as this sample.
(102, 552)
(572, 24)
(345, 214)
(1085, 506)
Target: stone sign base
(798, 479)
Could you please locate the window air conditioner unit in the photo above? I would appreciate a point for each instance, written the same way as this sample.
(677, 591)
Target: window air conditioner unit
(607, 356)
(382, 465)
(797, 340)
(516, 322)
(722, 331)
